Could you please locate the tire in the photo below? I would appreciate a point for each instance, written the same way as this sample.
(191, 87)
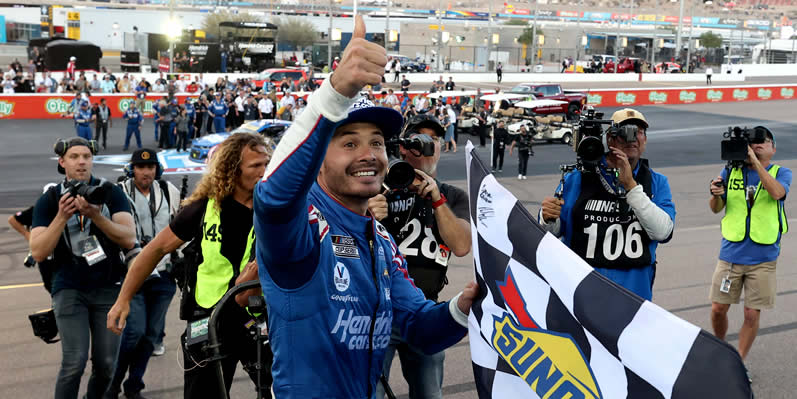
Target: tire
(567, 138)
(572, 111)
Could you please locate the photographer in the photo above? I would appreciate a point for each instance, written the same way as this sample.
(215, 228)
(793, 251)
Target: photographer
(524, 143)
(752, 195)
(217, 221)
(21, 222)
(500, 137)
(83, 223)
(615, 221)
(153, 202)
(429, 221)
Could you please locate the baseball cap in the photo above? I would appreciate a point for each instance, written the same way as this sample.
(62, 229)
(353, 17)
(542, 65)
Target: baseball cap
(629, 114)
(388, 120)
(768, 133)
(143, 156)
(423, 120)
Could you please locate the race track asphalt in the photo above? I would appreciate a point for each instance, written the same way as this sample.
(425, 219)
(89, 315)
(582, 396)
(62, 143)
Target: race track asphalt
(683, 144)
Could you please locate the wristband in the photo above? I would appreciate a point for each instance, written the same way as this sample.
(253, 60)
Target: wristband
(439, 202)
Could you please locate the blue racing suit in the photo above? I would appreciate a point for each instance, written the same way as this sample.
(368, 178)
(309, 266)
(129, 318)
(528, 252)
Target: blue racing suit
(334, 280)
(133, 126)
(155, 111)
(219, 111)
(190, 111)
(83, 122)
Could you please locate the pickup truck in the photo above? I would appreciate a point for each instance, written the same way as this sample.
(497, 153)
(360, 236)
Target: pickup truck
(574, 100)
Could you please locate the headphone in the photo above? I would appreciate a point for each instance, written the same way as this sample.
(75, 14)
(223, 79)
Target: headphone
(129, 170)
(61, 146)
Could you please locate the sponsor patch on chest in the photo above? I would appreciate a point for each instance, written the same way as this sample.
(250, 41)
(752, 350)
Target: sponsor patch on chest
(345, 246)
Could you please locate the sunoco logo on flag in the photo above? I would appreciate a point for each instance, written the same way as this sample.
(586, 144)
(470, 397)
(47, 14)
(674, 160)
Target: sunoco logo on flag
(547, 325)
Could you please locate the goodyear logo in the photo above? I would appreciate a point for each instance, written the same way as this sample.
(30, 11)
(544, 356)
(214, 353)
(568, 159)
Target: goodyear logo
(740, 94)
(594, 99)
(687, 96)
(764, 94)
(6, 108)
(625, 98)
(56, 106)
(714, 95)
(550, 363)
(786, 92)
(657, 97)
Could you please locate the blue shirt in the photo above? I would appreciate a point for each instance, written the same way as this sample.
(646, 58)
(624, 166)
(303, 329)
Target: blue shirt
(190, 110)
(638, 280)
(218, 108)
(83, 116)
(155, 110)
(746, 252)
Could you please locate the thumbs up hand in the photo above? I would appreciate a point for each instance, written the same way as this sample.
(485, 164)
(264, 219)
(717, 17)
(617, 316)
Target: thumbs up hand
(363, 63)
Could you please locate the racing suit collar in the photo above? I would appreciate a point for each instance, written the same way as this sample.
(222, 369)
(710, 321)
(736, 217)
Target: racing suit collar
(340, 214)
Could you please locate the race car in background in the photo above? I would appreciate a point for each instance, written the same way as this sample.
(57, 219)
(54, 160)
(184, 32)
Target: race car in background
(273, 128)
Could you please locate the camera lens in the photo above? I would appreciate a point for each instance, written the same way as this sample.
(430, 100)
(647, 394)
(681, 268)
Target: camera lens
(400, 174)
(590, 149)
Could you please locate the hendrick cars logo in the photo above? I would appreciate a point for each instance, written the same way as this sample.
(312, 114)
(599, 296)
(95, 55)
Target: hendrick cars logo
(56, 106)
(625, 98)
(657, 97)
(740, 94)
(594, 99)
(6, 108)
(714, 95)
(687, 96)
(550, 362)
(786, 92)
(764, 94)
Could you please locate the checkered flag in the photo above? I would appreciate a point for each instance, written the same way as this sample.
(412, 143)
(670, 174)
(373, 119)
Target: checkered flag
(547, 325)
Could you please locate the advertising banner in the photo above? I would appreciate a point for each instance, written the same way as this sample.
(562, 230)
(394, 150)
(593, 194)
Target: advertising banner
(674, 96)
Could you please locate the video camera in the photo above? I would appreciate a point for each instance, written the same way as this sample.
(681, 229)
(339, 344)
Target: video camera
(400, 174)
(588, 140)
(96, 195)
(737, 140)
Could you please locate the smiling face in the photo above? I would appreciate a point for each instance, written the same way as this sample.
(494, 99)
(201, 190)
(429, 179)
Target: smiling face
(355, 164)
(77, 163)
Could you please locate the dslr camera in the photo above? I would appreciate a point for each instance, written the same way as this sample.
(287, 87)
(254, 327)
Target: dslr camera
(734, 147)
(400, 174)
(96, 195)
(588, 140)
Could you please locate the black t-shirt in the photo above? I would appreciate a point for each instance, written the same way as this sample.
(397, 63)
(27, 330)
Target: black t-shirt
(72, 271)
(236, 221)
(523, 142)
(25, 217)
(422, 245)
(500, 137)
(450, 86)
(405, 84)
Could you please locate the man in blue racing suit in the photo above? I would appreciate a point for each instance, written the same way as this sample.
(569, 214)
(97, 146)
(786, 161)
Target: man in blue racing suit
(332, 276)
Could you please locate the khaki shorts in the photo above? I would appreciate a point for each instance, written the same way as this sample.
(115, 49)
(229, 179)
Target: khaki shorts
(758, 281)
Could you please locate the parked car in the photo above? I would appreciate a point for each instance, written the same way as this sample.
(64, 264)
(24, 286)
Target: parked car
(668, 67)
(407, 64)
(201, 147)
(573, 100)
(541, 129)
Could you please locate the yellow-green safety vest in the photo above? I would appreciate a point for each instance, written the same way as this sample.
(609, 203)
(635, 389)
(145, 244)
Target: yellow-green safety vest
(767, 216)
(215, 272)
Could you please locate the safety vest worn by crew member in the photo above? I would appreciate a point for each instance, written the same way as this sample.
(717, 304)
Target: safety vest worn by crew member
(215, 272)
(767, 216)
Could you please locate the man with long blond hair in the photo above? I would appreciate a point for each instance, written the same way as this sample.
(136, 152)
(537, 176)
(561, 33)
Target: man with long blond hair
(217, 220)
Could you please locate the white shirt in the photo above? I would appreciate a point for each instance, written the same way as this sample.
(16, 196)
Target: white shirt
(265, 105)
(239, 103)
(709, 71)
(452, 116)
(180, 85)
(287, 99)
(391, 99)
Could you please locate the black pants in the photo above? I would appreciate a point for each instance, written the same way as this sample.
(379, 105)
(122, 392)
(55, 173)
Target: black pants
(482, 135)
(200, 380)
(182, 138)
(101, 129)
(395, 76)
(522, 162)
(498, 156)
(499, 73)
(163, 138)
(708, 79)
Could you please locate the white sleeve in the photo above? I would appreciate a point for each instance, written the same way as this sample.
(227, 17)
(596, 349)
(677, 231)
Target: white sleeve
(554, 227)
(460, 317)
(656, 222)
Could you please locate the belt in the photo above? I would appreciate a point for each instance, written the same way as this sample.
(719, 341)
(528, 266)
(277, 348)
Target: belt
(83, 124)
